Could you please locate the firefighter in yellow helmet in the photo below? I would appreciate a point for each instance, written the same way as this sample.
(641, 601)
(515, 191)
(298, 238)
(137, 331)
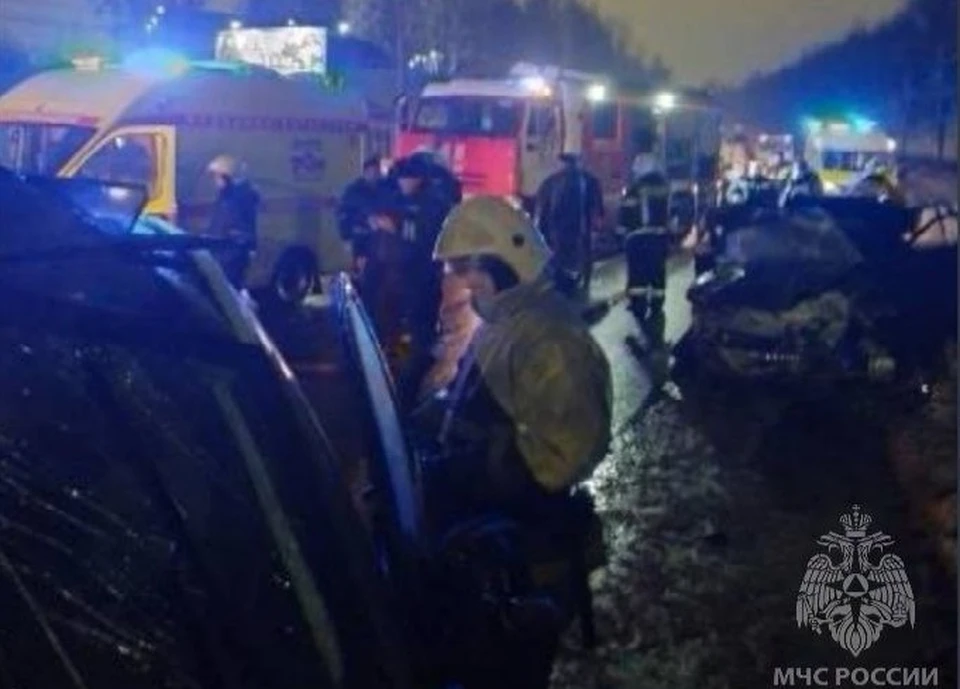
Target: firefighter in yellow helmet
(528, 416)
(534, 354)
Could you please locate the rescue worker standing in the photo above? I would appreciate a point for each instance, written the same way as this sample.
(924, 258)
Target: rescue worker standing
(423, 213)
(529, 413)
(234, 214)
(569, 209)
(644, 215)
(441, 179)
(357, 204)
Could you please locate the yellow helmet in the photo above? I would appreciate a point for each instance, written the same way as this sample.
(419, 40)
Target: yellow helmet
(490, 226)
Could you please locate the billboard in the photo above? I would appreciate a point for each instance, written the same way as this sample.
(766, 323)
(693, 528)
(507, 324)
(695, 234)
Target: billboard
(288, 49)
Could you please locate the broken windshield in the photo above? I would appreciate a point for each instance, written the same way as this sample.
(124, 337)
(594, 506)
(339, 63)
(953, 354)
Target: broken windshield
(135, 542)
(162, 512)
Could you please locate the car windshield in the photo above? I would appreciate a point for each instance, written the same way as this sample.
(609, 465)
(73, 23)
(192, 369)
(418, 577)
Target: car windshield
(170, 513)
(40, 148)
(478, 116)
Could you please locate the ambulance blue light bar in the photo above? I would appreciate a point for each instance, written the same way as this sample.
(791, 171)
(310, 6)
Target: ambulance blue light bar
(157, 62)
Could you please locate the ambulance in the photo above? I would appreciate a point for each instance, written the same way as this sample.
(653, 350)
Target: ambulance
(839, 151)
(158, 121)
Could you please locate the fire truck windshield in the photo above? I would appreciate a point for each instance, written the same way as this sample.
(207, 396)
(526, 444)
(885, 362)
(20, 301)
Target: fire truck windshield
(469, 115)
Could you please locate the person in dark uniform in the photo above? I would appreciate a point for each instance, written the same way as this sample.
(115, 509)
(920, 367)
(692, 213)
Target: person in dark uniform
(568, 210)
(440, 177)
(234, 215)
(644, 215)
(355, 208)
(424, 208)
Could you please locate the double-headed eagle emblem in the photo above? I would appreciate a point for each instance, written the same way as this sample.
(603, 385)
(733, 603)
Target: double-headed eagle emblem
(854, 589)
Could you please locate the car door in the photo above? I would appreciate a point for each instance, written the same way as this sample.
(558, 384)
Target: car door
(395, 470)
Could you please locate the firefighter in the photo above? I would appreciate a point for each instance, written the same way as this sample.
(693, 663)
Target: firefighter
(355, 208)
(424, 209)
(568, 210)
(526, 419)
(644, 215)
(438, 172)
(234, 214)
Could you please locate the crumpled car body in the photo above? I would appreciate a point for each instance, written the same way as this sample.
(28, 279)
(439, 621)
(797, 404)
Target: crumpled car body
(787, 298)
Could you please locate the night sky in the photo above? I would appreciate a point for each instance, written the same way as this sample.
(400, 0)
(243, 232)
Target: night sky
(727, 39)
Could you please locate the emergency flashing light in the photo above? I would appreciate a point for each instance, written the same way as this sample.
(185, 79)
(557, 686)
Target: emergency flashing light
(862, 124)
(812, 124)
(536, 85)
(87, 63)
(343, 28)
(597, 93)
(236, 24)
(665, 100)
(157, 62)
(891, 145)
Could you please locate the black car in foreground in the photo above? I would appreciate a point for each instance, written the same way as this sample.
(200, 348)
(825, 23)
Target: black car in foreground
(171, 512)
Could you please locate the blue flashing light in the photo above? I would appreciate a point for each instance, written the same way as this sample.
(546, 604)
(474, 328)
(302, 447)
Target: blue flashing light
(812, 125)
(158, 62)
(862, 124)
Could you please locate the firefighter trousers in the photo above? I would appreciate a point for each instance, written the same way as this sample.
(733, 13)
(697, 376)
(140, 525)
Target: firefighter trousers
(646, 252)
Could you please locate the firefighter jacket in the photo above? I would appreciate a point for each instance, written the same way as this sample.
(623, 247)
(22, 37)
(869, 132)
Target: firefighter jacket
(646, 204)
(538, 368)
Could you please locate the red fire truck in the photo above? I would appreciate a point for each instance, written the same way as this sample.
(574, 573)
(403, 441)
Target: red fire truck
(503, 136)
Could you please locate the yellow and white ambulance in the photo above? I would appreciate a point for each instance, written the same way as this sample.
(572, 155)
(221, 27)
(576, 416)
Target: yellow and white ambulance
(839, 152)
(158, 120)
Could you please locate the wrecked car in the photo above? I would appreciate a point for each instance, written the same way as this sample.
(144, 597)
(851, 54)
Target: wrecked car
(171, 512)
(822, 293)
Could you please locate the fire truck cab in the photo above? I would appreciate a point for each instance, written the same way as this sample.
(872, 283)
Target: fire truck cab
(500, 136)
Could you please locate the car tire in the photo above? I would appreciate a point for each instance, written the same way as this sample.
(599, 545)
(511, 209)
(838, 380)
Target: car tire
(294, 277)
